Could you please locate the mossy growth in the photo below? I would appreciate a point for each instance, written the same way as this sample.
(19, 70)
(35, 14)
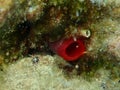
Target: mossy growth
(88, 68)
(22, 36)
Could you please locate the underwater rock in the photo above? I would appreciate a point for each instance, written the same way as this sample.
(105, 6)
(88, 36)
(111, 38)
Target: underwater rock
(5, 7)
(30, 25)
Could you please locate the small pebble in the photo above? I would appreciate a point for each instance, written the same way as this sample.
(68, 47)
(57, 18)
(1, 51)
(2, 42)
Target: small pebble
(76, 66)
(103, 85)
(35, 60)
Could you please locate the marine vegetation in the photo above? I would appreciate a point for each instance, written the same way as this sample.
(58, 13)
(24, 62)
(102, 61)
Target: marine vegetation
(80, 31)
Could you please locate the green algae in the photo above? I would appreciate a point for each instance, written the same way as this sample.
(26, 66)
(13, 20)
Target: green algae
(20, 33)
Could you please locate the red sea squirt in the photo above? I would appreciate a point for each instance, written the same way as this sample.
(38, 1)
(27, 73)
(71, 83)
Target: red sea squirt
(69, 49)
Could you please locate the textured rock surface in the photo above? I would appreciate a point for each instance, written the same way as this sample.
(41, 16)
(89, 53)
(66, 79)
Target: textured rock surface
(25, 27)
(5, 7)
(45, 75)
